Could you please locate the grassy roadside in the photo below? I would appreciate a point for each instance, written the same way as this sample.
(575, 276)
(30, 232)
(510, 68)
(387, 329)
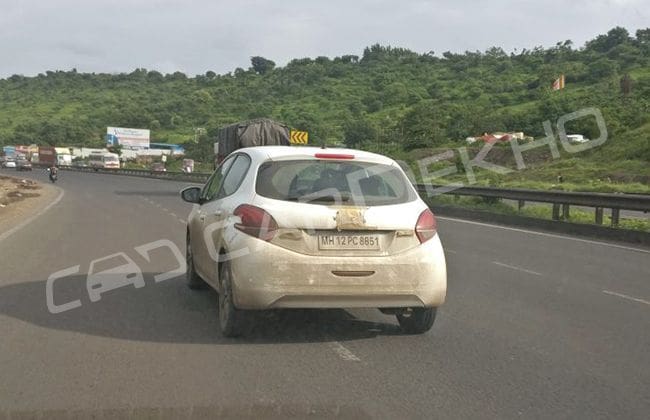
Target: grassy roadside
(597, 172)
(539, 211)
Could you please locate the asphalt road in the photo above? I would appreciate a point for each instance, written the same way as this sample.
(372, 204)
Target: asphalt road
(536, 326)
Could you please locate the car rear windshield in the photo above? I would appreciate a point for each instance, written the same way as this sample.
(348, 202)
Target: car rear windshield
(333, 183)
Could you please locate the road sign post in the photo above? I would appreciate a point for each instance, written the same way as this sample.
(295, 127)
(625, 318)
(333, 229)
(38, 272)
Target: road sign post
(298, 137)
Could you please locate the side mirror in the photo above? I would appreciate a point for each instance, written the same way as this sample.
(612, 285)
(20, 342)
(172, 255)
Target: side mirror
(191, 195)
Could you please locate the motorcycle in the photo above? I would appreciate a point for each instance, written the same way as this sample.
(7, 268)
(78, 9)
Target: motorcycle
(53, 175)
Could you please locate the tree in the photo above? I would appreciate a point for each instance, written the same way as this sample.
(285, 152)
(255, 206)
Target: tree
(262, 65)
(643, 36)
(177, 75)
(393, 96)
(602, 68)
(614, 37)
(202, 150)
(155, 76)
(322, 60)
(357, 131)
(423, 126)
(350, 59)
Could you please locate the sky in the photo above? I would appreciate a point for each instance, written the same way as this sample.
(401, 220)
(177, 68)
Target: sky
(194, 36)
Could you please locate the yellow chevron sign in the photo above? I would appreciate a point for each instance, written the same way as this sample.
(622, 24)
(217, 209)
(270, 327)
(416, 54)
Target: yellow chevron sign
(298, 137)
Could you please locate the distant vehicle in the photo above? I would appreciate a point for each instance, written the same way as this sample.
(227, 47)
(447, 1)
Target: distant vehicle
(63, 159)
(158, 167)
(9, 162)
(46, 156)
(23, 165)
(104, 161)
(259, 132)
(576, 138)
(289, 227)
(79, 164)
(9, 150)
(188, 165)
(173, 149)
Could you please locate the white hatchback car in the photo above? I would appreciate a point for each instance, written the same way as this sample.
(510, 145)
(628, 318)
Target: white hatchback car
(304, 227)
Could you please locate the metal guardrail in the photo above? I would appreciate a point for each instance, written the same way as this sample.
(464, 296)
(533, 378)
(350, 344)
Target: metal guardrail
(561, 200)
(145, 173)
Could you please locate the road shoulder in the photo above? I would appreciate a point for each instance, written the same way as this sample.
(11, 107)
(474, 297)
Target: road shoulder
(22, 200)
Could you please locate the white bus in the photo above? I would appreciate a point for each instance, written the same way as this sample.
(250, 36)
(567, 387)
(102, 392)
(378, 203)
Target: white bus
(104, 161)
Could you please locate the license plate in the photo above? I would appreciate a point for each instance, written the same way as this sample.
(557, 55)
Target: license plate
(348, 242)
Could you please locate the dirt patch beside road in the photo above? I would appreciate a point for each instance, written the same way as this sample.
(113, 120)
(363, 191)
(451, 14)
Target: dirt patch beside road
(20, 198)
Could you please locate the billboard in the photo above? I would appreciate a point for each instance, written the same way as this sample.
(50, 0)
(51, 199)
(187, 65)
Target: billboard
(127, 137)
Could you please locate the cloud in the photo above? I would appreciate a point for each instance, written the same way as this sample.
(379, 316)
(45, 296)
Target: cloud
(198, 35)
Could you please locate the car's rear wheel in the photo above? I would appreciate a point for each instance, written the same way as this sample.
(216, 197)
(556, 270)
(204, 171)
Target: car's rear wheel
(230, 318)
(417, 320)
(194, 281)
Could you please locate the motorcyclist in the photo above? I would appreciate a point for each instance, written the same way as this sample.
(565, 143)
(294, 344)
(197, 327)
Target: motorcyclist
(54, 172)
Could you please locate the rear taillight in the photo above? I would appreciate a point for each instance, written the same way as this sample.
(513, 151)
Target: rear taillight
(426, 226)
(256, 222)
(333, 156)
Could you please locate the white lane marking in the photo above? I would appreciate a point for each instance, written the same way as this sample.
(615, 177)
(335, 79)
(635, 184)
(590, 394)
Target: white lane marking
(629, 248)
(621, 295)
(343, 352)
(516, 268)
(166, 210)
(451, 251)
(31, 219)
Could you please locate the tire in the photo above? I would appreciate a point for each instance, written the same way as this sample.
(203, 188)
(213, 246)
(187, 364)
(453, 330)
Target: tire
(417, 320)
(193, 280)
(230, 318)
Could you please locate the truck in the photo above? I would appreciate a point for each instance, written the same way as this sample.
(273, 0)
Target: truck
(257, 132)
(9, 151)
(49, 156)
(104, 160)
(63, 156)
(46, 156)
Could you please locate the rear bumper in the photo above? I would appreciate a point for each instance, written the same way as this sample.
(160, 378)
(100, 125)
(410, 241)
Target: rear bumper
(269, 276)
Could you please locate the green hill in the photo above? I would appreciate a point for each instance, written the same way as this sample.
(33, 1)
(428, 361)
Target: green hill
(389, 99)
